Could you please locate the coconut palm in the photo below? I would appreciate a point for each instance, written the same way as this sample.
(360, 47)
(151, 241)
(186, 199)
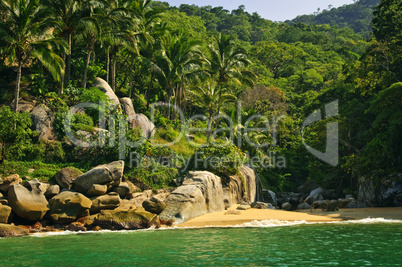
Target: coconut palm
(211, 96)
(179, 57)
(71, 15)
(26, 35)
(228, 61)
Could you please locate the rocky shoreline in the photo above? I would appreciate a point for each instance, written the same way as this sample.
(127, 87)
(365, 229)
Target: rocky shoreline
(102, 199)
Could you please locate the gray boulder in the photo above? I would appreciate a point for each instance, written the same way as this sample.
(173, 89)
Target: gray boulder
(138, 198)
(106, 202)
(315, 195)
(97, 190)
(67, 206)
(366, 193)
(244, 188)
(200, 193)
(269, 197)
(30, 205)
(65, 177)
(43, 119)
(244, 207)
(52, 191)
(128, 107)
(9, 181)
(105, 87)
(286, 206)
(126, 220)
(154, 205)
(304, 206)
(110, 174)
(5, 212)
(141, 121)
(343, 202)
(353, 204)
(123, 189)
(36, 185)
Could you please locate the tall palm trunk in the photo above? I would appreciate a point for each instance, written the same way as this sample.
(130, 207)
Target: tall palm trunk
(17, 86)
(84, 79)
(130, 80)
(113, 69)
(68, 61)
(62, 77)
(107, 64)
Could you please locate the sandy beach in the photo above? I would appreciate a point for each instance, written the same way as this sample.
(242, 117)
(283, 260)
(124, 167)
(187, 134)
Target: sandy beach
(227, 218)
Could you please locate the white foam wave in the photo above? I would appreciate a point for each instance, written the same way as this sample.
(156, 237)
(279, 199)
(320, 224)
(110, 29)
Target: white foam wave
(255, 223)
(275, 223)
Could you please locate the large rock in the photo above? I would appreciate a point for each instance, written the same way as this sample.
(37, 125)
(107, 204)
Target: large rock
(110, 174)
(30, 205)
(52, 191)
(154, 205)
(43, 119)
(67, 206)
(105, 202)
(9, 181)
(138, 198)
(65, 177)
(105, 87)
(129, 220)
(289, 197)
(269, 197)
(97, 190)
(8, 230)
(314, 195)
(366, 193)
(245, 187)
(200, 193)
(36, 185)
(142, 121)
(5, 212)
(127, 106)
(304, 206)
(392, 197)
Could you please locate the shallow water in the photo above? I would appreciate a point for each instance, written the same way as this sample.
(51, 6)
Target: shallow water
(361, 243)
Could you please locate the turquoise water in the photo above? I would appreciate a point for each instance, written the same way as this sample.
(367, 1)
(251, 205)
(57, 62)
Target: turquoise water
(378, 244)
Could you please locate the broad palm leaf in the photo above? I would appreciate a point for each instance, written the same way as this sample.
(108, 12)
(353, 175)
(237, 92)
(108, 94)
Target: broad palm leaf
(228, 61)
(27, 34)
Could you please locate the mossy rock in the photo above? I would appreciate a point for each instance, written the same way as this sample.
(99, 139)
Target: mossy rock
(9, 230)
(127, 220)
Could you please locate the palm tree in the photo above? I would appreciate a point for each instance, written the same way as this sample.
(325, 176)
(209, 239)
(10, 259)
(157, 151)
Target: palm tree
(27, 34)
(228, 61)
(71, 14)
(212, 97)
(179, 57)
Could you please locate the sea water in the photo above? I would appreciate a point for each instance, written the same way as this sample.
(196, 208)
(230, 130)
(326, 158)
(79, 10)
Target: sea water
(372, 242)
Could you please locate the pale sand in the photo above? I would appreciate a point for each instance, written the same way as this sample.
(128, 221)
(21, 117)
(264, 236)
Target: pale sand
(220, 219)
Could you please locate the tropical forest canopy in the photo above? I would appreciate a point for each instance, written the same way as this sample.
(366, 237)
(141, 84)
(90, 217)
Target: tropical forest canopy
(204, 59)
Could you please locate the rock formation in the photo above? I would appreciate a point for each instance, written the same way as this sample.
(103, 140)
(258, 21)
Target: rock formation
(65, 177)
(105, 87)
(109, 174)
(30, 205)
(68, 206)
(42, 119)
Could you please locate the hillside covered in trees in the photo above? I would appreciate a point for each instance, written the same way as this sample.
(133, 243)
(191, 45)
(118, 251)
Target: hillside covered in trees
(203, 60)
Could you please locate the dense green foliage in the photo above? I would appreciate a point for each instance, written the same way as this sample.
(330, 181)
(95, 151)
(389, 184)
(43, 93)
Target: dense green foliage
(202, 60)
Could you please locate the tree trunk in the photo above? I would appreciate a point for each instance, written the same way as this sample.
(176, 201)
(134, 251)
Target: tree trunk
(107, 64)
(84, 80)
(17, 86)
(131, 77)
(62, 77)
(68, 62)
(113, 71)
(148, 95)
